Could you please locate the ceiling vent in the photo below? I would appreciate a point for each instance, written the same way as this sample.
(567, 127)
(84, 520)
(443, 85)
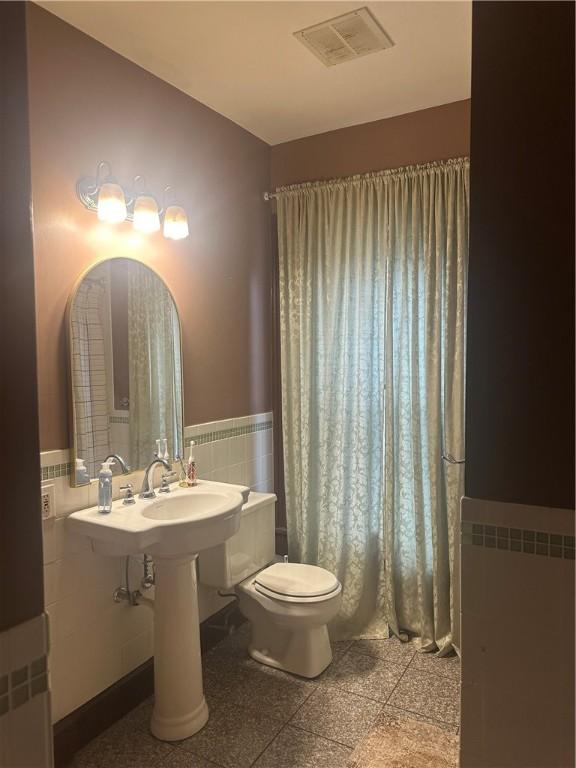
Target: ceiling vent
(345, 37)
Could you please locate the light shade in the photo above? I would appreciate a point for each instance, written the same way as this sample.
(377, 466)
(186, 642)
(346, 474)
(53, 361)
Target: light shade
(146, 218)
(111, 203)
(175, 223)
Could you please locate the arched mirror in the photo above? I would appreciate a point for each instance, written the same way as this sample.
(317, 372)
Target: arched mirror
(125, 363)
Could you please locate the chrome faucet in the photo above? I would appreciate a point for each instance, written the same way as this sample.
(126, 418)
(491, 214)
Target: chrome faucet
(124, 468)
(147, 490)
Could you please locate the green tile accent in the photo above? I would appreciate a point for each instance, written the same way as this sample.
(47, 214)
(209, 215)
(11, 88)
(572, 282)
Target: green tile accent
(21, 684)
(55, 470)
(19, 676)
(225, 434)
(19, 696)
(39, 684)
(555, 551)
(38, 666)
(518, 540)
(118, 420)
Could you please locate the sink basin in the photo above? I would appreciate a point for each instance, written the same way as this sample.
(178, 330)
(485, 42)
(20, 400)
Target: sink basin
(194, 506)
(182, 522)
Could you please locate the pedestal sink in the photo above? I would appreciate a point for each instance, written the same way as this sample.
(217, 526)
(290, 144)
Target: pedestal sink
(172, 528)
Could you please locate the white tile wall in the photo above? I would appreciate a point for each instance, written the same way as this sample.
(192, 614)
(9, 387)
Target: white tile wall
(25, 731)
(246, 459)
(94, 641)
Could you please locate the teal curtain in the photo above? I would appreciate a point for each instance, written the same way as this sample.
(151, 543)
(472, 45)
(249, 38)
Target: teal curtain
(372, 313)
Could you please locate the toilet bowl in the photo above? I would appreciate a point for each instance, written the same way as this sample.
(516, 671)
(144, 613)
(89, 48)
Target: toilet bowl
(289, 606)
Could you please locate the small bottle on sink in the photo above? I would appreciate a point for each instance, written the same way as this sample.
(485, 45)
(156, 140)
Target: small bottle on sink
(191, 469)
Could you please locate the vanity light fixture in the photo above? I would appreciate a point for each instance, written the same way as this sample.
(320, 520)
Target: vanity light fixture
(175, 221)
(103, 194)
(113, 204)
(146, 216)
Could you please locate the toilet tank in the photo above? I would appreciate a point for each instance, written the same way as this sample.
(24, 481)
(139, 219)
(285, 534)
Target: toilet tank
(252, 548)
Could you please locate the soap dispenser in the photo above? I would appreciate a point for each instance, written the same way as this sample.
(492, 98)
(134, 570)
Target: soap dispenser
(105, 488)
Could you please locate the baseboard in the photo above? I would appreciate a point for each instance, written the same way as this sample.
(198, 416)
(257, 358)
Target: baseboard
(85, 723)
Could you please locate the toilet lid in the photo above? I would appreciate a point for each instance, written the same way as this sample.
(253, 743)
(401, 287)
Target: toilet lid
(297, 580)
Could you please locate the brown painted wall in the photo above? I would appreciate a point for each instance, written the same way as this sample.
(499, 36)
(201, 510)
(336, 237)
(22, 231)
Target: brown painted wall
(418, 137)
(520, 382)
(88, 104)
(21, 591)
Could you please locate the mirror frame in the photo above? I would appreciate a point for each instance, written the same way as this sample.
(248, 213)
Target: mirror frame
(69, 374)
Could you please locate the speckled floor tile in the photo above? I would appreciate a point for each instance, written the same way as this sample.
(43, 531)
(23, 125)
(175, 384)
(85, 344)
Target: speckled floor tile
(123, 747)
(391, 650)
(445, 666)
(180, 758)
(279, 695)
(390, 711)
(364, 675)
(406, 743)
(429, 695)
(339, 647)
(236, 644)
(337, 715)
(294, 748)
(140, 716)
(233, 736)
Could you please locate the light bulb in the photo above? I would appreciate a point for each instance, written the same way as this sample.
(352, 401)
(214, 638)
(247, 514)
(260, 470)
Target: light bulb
(175, 223)
(111, 203)
(146, 218)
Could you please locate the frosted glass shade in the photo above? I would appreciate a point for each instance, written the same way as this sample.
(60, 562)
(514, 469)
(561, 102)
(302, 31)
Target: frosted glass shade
(111, 203)
(146, 217)
(175, 223)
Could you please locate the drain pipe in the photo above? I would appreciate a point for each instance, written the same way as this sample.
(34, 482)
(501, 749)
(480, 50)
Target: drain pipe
(135, 597)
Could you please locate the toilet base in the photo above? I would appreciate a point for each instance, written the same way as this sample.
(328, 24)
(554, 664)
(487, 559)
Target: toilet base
(306, 652)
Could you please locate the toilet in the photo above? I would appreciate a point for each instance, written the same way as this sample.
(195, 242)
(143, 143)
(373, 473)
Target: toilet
(287, 604)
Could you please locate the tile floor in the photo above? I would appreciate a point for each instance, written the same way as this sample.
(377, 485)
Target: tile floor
(267, 719)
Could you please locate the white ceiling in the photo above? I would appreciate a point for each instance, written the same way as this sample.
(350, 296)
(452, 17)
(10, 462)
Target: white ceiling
(242, 60)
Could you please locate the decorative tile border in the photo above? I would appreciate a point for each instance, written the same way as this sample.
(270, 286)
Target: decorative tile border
(518, 540)
(21, 685)
(62, 470)
(224, 434)
(55, 470)
(118, 419)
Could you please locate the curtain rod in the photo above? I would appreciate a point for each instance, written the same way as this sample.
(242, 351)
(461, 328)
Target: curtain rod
(270, 196)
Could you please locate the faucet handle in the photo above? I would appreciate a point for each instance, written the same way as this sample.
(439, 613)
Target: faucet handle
(129, 497)
(165, 486)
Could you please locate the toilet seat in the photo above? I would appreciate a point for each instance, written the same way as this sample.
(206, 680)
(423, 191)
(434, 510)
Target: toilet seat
(297, 583)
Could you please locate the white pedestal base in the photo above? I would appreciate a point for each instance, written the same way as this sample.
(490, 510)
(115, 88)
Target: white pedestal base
(180, 708)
